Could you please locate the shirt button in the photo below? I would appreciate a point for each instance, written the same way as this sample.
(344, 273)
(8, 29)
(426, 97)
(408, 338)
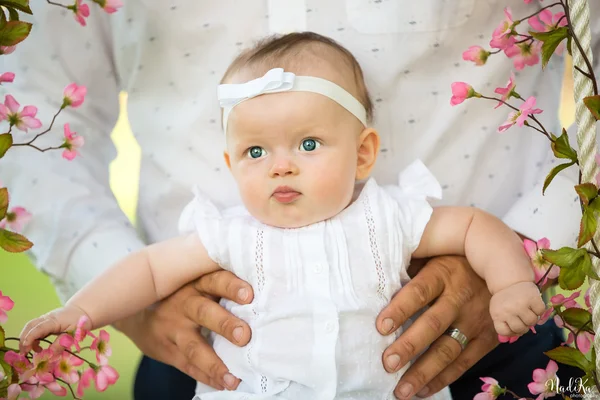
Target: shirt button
(329, 327)
(318, 268)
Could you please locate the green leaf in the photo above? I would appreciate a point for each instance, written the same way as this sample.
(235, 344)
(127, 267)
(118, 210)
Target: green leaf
(21, 5)
(550, 40)
(587, 226)
(14, 15)
(14, 32)
(3, 202)
(595, 204)
(593, 104)
(13, 242)
(565, 257)
(586, 192)
(570, 356)
(571, 278)
(6, 141)
(2, 336)
(578, 318)
(8, 370)
(562, 148)
(569, 43)
(587, 267)
(553, 173)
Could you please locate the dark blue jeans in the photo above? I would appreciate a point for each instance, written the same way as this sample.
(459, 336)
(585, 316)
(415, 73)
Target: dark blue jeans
(510, 364)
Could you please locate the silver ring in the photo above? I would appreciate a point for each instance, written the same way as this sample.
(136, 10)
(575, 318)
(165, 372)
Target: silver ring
(457, 335)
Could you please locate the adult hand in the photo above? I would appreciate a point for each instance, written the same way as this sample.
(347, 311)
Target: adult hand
(458, 297)
(170, 330)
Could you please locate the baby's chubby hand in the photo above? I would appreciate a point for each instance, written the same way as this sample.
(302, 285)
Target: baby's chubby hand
(515, 308)
(55, 322)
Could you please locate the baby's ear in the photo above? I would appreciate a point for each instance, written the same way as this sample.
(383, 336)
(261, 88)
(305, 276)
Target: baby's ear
(368, 148)
(226, 157)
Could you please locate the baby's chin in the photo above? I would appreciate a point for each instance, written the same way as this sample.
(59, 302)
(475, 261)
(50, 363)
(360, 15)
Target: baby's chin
(296, 218)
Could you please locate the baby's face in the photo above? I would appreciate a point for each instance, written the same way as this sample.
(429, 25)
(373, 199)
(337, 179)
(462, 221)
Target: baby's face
(294, 157)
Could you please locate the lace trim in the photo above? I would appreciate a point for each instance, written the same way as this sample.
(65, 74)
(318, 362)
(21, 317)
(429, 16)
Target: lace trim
(260, 283)
(375, 249)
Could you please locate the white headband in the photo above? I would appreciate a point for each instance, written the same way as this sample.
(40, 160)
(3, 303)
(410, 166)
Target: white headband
(275, 81)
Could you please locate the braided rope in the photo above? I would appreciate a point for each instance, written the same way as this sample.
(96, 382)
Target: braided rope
(586, 132)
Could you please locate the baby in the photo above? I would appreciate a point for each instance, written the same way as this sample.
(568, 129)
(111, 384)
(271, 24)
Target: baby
(324, 246)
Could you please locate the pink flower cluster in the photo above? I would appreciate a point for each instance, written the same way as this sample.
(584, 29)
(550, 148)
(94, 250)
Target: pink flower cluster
(492, 389)
(61, 363)
(81, 10)
(523, 49)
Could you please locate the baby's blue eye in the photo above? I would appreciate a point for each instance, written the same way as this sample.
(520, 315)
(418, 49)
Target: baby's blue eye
(256, 152)
(309, 145)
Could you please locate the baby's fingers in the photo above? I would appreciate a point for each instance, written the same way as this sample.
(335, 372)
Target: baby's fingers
(36, 329)
(529, 317)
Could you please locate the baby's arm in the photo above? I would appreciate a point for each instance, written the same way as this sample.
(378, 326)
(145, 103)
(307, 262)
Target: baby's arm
(496, 254)
(136, 282)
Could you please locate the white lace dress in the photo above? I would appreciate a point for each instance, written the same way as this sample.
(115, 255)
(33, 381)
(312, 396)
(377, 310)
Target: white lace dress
(317, 292)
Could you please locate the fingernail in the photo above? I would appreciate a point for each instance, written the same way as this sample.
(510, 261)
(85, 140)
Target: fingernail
(243, 294)
(237, 333)
(229, 380)
(392, 361)
(423, 392)
(387, 325)
(406, 389)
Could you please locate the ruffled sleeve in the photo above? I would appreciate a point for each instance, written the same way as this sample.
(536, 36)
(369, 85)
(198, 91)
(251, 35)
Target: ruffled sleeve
(204, 218)
(415, 185)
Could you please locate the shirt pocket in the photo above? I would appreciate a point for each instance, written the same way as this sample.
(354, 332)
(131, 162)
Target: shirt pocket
(405, 16)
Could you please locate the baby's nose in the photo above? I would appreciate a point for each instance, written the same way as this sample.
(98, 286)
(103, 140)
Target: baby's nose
(283, 166)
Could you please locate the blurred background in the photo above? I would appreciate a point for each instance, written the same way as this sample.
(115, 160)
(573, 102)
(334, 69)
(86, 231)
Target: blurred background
(34, 295)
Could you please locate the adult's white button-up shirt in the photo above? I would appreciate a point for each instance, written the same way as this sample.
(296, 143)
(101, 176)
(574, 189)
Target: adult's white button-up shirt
(170, 55)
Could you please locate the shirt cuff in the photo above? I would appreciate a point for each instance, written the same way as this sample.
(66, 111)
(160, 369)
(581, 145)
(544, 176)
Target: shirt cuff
(93, 255)
(555, 215)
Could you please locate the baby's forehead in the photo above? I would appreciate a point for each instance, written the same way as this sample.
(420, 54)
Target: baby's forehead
(317, 60)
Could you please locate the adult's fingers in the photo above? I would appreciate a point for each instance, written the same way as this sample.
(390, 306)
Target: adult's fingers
(226, 285)
(443, 352)
(211, 315)
(474, 351)
(424, 331)
(419, 292)
(201, 362)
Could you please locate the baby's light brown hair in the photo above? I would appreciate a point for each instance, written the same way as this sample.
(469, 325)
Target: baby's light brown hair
(294, 52)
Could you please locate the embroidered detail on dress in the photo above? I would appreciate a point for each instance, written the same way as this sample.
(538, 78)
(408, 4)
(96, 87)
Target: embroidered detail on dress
(263, 383)
(375, 249)
(258, 259)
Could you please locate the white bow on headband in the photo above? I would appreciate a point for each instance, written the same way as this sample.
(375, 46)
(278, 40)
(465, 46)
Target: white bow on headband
(275, 81)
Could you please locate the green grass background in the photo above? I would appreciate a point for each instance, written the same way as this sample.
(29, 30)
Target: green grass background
(34, 295)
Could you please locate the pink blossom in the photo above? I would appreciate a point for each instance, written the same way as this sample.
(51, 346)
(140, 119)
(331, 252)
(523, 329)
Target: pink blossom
(568, 302)
(14, 391)
(545, 21)
(106, 376)
(526, 53)
(81, 12)
(540, 377)
(7, 49)
(81, 331)
(584, 340)
(502, 36)
(507, 339)
(74, 95)
(56, 389)
(477, 54)
(460, 92)
(7, 77)
(507, 91)
(20, 363)
(101, 347)
(491, 390)
(22, 120)
(34, 387)
(44, 364)
(85, 380)
(16, 219)
(110, 6)
(519, 117)
(6, 304)
(540, 266)
(72, 142)
(586, 297)
(545, 316)
(66, 367)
